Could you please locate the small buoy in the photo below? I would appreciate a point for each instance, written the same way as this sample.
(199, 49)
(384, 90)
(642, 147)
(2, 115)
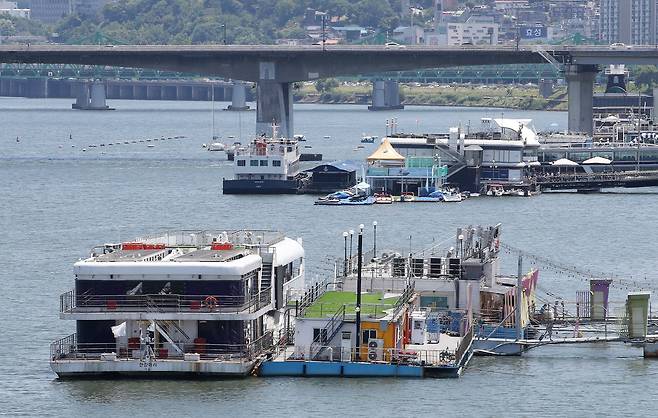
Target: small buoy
(84, 149)
(150, 146)
(204, 146)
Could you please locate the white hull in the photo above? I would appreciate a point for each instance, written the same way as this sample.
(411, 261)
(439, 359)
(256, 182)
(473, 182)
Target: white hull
(153, 369)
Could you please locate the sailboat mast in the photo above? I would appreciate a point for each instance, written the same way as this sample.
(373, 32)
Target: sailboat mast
(212, 111)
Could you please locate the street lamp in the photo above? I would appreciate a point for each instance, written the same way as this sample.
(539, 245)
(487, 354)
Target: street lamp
(374, 233)
(224, 28)
(324, 17)
(357, 309)
(351, 237)
(345, 234)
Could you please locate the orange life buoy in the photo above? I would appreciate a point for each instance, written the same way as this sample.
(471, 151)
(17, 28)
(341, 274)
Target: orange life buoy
(210, 302)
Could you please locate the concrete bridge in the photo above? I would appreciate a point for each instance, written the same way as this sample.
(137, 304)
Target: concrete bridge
(274, 68)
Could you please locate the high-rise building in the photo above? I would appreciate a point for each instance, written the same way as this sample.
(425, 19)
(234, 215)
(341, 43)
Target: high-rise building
(50, 11)
(632, 22)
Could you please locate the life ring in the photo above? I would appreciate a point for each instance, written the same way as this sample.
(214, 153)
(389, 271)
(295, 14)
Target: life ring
(211, 302)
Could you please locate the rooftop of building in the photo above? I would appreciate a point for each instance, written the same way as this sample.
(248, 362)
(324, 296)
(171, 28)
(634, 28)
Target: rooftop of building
(373, 305)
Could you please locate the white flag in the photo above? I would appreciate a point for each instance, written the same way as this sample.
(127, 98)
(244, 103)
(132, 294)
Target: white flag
(119, 330)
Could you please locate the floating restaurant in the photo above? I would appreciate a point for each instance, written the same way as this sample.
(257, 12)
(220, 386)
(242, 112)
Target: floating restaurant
(205, 303)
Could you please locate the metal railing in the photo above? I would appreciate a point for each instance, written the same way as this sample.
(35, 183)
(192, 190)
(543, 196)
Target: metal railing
(70, 303)
(309, 297)
(68, 348)
(413, 357)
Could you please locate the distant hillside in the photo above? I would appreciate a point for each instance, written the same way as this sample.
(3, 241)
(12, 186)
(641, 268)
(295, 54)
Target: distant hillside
(247, 21)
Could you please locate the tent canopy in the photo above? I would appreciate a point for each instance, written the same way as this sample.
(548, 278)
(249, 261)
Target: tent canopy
(564, 162)
(597, 160)
(385, 152)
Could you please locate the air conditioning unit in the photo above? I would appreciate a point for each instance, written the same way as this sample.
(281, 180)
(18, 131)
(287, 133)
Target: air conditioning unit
(375, 350)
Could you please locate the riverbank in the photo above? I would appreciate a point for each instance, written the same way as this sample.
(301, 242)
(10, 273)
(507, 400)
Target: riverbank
(511, 97)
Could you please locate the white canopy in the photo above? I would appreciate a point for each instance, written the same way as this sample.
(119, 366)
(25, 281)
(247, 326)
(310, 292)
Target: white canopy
(597, 160)
(363, 186)
(564, 162)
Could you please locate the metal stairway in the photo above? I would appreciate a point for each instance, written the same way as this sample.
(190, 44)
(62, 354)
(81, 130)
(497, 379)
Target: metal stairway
(266, 276)
(330, 330)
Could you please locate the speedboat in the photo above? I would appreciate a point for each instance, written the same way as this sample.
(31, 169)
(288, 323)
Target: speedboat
(299, 137)
(216, 146)
(435, 196)
(369, 139)
(383, 198)
(495, 190)
(407, 197)
(452, 196)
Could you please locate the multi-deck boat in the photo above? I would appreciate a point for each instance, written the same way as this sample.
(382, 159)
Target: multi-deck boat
(264, 166)
(184, 303)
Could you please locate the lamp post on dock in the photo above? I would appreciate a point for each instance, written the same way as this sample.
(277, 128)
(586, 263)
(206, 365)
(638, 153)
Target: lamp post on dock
(374, 233)
(351, 239)
(357, 309)
(345, 234)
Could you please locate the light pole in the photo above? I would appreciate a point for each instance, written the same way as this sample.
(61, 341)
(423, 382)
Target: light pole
(345, 234)
(357, 309)
(351, 237)
(224, 29)
(374, 245)
(324, 38)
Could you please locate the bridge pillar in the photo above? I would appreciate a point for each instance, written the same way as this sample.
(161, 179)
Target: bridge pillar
(273, 102)
(580, 89)
(91, 96)
(238, 97)
(385, 95)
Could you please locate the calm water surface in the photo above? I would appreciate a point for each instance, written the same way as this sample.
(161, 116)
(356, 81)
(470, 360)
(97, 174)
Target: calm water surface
(58, 201)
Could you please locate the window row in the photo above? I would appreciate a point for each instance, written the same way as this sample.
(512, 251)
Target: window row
(261, 163)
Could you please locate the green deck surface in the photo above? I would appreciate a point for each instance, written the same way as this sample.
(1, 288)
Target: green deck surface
(372, 304)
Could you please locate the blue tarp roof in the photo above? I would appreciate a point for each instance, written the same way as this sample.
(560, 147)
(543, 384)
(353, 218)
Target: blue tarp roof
(343, 165)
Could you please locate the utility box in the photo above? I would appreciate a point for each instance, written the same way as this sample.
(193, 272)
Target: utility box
(599, 288)
(637, 310)
(418, 327)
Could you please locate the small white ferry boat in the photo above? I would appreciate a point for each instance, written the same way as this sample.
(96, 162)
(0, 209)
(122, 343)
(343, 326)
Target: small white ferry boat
(266, 166)
(178, 304)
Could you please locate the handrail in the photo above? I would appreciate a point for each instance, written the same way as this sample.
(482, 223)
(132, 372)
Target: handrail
(330, 330)
(70, 302)
(68, 348)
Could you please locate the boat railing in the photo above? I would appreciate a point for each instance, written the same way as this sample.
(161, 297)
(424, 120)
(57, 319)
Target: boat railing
(68, 348)
(309, 297)
(550, 178)
(411, 357)
(71, 303)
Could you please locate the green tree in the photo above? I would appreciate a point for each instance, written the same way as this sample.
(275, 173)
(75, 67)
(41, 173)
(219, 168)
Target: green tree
(326, 85)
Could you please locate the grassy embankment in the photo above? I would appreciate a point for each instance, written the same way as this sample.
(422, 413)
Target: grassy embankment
(513, 97)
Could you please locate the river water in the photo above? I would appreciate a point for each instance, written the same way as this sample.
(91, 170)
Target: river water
(58, 201)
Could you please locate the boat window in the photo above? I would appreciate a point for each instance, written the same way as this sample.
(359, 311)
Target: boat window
(276, 163)
(263, 163)
(625, 155)
(368, 334)
(289, 149)
(253, 163)
(242, 163)
(648, 155)
(320, 335)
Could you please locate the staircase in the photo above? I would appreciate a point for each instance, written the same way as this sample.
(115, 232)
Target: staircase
(167, 327)
(330, 329)
(266, 276)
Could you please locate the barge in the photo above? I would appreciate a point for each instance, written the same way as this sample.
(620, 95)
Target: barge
(178, 304)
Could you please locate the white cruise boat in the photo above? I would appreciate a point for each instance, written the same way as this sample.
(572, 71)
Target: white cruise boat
(183, 303)
(266, 166)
